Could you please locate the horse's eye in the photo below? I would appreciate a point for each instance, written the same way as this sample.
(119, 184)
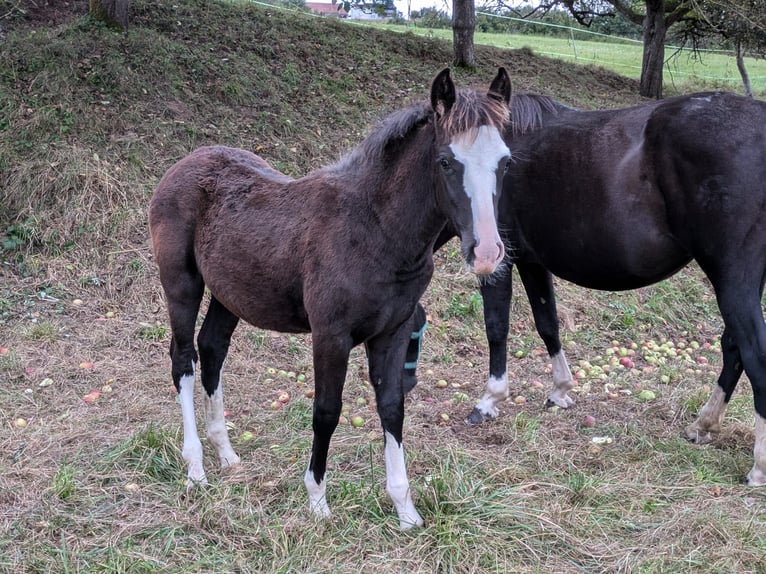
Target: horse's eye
(444, 162)
(507, 165)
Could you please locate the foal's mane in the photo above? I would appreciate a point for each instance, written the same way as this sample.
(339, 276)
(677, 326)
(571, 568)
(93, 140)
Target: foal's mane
(471, 110)
(527, 111)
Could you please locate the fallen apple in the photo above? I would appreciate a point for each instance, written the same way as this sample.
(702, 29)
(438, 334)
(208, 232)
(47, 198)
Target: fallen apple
(92, 396)
(309, 394)
(647, 395)
(20, 423)
(283, 397)
(246, 436)
(86, 365)
(357, 421)
(441, 384)
(4, 351)
(589, 421)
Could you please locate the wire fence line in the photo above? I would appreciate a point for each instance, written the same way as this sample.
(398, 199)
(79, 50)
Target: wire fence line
(596, 52)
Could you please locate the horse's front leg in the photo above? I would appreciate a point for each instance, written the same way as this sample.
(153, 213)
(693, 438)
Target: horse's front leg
(330, 364)
(496, 296)
(538, 284)
(386, 354)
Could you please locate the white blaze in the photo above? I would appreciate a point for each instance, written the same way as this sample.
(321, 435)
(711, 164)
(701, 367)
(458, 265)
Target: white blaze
(480, 152)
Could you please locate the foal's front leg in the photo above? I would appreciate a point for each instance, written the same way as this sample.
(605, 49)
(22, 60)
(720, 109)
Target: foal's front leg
(330, 364)
(386, 353)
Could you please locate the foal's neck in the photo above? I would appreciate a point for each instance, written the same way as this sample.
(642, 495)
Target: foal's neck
(404, 200)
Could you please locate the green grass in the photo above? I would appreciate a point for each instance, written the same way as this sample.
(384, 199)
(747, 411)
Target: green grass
(684, 70)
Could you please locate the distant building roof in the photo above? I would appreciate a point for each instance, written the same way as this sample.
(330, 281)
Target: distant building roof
(326, 9)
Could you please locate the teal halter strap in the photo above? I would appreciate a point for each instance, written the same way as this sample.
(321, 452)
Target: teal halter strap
(419, 336)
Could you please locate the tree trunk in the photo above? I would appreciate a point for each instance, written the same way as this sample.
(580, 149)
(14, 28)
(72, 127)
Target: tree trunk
(743, 71)
(463, 25)
(654, 49)
(113, 12)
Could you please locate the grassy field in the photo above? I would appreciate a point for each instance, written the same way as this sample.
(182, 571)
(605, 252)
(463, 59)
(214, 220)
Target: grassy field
(684, 71)
(89, 121)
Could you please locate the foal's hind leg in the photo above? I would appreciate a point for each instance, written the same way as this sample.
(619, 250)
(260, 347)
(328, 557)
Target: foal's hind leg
(538, 284)
(213, 342)
(385, 353)
(710, 417)
(183, 292)
(413, 349)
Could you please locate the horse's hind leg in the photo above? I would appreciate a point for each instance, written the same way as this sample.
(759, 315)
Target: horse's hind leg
(183, 292)
(213, 342)
(538, 284)
(413, 349)
(710, 417)
(385, 352)
(743, 317)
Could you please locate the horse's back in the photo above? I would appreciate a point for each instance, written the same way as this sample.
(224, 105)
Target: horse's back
(578, 204)
(707, 153)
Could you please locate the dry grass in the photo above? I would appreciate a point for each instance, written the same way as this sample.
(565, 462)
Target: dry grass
(99, 486)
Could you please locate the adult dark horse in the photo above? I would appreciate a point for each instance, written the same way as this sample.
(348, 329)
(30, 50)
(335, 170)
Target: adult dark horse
(344, 253)
(620, 199)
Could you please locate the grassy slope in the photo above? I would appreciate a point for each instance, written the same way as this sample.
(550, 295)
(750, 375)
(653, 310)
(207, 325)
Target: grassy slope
(90, 119)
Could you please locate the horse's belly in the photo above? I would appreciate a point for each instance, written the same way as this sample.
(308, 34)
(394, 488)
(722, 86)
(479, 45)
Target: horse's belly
(610, 263)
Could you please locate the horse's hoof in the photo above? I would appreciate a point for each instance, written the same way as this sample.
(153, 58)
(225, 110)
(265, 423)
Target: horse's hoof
(697, 436)
(564, 403)
(476, 417)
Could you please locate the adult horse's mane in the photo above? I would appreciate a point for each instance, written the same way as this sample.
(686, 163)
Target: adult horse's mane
(471, 109)
(527, 111)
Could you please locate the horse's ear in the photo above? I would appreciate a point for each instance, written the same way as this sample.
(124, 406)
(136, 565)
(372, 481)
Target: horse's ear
(442, 93)
(500, 88)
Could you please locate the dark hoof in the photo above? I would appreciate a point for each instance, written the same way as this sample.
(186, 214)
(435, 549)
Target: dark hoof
(476, 417)
(408, 383)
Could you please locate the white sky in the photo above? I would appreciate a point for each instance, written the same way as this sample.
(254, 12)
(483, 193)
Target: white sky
(444, 5)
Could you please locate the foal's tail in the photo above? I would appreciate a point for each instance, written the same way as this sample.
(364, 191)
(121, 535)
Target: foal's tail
(174, 210)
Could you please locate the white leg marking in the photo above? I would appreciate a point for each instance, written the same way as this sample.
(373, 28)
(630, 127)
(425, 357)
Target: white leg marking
(757, 475)
(562, 381)
(192, 450)
(496, 392)
(317, 498)
(398, 486)
(709, 420)
(216, 427)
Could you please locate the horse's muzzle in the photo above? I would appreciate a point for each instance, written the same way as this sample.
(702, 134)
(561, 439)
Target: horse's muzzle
(487, 256)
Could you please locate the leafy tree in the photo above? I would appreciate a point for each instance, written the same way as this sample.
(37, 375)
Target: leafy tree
(654, 16)
(741, 24)
(463, 26)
